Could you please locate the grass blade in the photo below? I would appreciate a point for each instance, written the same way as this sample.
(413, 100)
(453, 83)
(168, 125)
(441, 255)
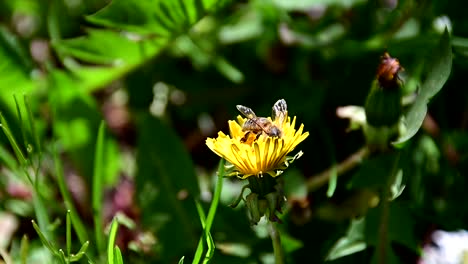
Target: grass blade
(44, 239)
(18, 152)
(210, 218)
(68, 233)
(75, 219)
(98, 177)
(117, 255)
(24, 248)
(111, 243)
(80, 253)
(20, 121)
(32, 126)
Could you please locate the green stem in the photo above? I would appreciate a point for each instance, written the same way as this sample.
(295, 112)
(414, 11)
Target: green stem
(275, 238)
(319, 180)
(382, 247)
(209, 219)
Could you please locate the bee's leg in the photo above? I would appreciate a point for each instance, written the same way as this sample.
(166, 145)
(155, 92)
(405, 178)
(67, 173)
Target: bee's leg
(257, 136)
(245, 137)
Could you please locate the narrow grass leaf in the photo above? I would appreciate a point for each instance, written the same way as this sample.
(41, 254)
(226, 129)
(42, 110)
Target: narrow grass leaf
(20, 121)
(75, 218)
(333, 181)
(44, 239)
(98, 178)
(41, 212)
(111, 242)
(117, 256)
(201, 245)
(32, 126)
(81, 252)
(62, 257)
(8, 133)
(217, 196)
(24, 248)
(211, 247)
(210, 218)
(181, 261)
(68, 232)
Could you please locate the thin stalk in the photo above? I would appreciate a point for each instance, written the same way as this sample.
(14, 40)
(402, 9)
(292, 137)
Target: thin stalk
(211, 214)
(276, 240)
(383, 226)
(319, 180)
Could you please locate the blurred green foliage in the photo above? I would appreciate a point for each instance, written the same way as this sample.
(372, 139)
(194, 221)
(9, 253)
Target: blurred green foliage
(166, 74)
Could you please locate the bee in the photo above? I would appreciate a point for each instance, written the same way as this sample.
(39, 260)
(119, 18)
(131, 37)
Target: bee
(255, 125)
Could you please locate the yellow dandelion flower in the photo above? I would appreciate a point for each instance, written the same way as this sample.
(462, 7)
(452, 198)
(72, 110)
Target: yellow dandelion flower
(263, 154)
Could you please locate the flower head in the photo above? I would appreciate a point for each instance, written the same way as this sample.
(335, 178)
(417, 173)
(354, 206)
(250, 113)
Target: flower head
(260, 153)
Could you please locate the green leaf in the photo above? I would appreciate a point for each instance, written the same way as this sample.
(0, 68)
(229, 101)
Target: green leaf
(14, 144)
(118, 259)
(208, 221)
(110, 244)
(78, 225)
(333, 181)
(68, 233)
(373, 172)
(32, 126)
(44, 240)
(352, 242)
(400, 226)
(166, 186)
(15, 69)
(439, 66)
(98, 179)
(141, 29)
(80, 253)
(301, 5)
(24, 247)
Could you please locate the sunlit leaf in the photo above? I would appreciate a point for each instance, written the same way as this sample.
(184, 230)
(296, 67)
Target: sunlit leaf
(144, 28)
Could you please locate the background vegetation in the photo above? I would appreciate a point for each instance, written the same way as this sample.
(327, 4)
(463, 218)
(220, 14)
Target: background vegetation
(106, 106)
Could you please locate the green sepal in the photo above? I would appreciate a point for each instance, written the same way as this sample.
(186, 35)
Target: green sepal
(383, 106)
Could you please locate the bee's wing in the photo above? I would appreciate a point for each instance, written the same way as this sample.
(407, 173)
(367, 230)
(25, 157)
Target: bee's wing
(280, 111)
(249, 113)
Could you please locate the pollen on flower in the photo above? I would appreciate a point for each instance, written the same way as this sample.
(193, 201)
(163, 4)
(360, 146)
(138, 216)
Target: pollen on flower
(260, 155)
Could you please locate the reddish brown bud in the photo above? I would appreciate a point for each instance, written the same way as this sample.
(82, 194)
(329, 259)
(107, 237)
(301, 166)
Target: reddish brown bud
(387, 72)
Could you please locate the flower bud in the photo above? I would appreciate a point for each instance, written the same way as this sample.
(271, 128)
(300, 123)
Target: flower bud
(383, 104)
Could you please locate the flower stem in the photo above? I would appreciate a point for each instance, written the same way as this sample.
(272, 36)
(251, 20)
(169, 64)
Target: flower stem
(275, 238)
(383, 240)
(317, 181)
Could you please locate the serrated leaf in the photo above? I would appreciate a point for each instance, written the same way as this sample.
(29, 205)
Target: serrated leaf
(438, 70)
